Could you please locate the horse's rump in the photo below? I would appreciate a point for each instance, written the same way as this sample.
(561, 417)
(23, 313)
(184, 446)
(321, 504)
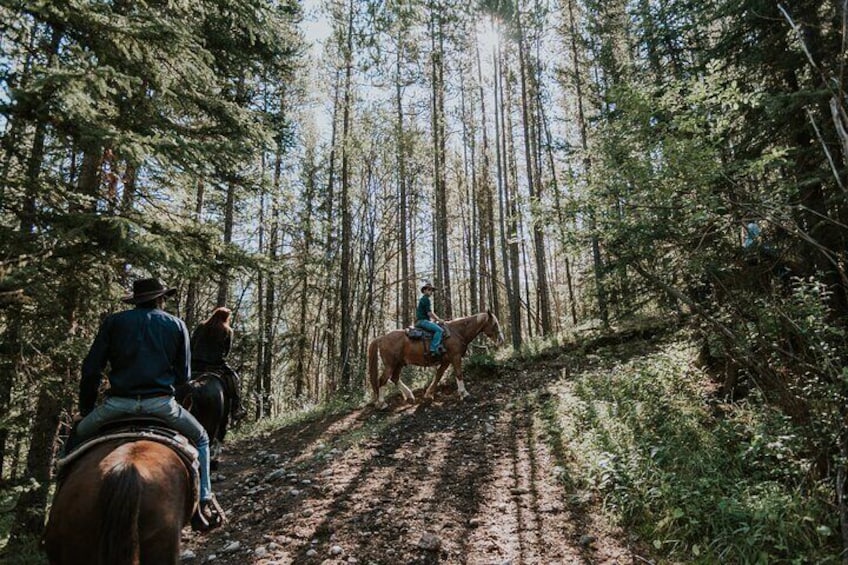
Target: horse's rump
(205, 397)
(120, 502)
(132, 429)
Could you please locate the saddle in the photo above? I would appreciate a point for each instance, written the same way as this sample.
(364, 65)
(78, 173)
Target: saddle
(416, 333)
(137, 428)
(183, 390)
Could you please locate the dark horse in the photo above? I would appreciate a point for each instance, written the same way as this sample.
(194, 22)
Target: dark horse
(121, 503)
(205, 398)
(397, 350)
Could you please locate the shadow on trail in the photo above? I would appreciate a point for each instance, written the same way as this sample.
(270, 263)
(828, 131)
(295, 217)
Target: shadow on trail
(475, 478)
(419, 488)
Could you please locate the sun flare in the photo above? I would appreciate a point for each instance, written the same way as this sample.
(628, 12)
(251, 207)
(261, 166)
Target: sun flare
(488, 36)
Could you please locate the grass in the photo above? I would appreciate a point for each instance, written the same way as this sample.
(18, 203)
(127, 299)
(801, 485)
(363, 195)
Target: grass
(700, 483)
(634, 422)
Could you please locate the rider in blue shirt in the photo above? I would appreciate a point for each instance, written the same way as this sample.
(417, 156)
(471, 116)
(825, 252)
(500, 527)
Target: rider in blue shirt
(148, 354)
(752, 235)
(425, 319)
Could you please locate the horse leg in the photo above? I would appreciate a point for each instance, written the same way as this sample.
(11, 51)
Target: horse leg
(407, 393)
(163, 550)
(375, 394)
(380, 402)
(432, 388)
(214, 454)
(460, 384)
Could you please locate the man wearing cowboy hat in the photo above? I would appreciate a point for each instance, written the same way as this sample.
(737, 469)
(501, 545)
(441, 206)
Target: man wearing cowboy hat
(148, 354)
(426, 319)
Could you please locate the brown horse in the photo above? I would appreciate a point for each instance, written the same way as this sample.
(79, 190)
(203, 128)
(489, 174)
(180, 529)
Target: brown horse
(121, 504)
(205, 398)
(397, 350)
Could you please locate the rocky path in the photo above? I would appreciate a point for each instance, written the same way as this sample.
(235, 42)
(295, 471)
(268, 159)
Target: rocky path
(474, 482)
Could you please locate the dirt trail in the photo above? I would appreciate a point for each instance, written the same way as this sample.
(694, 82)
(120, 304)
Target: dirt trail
(474, 482)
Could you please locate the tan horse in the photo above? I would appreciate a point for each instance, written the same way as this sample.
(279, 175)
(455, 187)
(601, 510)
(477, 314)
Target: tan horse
(397, 350)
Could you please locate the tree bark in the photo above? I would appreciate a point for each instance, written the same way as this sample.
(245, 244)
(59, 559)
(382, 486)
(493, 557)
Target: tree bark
(224, 283)
(488, 253)
(509, 244)
(191, 315)
(597, 260)
(442, 256)
(346, 243)
(534, 186)
(406, 283)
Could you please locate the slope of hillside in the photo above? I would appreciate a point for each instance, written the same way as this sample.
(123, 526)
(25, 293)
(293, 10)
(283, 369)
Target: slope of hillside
(610, 449)
(478, 481)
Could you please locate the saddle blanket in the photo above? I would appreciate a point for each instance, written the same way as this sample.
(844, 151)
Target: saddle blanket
(142, 429)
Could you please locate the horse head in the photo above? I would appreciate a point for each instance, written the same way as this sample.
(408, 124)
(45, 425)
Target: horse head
(492, 328)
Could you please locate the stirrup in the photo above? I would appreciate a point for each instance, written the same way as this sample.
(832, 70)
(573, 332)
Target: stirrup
(209, 515)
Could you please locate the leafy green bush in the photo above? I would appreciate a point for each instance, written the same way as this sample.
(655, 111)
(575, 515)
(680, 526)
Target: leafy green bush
(480, 365)
(699, 481)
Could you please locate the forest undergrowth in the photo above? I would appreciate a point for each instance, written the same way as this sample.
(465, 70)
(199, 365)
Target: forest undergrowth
(700, 478)
(623, 428)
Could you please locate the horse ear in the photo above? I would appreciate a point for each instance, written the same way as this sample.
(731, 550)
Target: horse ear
(489, 311)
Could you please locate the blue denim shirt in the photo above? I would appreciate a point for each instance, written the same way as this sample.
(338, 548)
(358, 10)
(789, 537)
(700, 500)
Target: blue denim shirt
(147, 350)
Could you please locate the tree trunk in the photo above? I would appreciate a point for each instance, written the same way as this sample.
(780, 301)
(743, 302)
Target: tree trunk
(440, 211)
(261, 345)
(488, 254)
(347, 244)
(31, 507)
(310, 182)
(191, 315)
(534, 187)
(9, 365)
(587, 164)
(405, 284)
(512, 234)
(224, 283)
(266, 390)
(469, 162)
(509, 243)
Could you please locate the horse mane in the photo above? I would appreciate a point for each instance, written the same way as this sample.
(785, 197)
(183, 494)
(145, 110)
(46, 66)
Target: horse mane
(463, 322)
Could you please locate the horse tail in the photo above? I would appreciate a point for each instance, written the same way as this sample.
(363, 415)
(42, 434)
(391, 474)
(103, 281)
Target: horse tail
(209, 405)
(373, 377)
(119, 502)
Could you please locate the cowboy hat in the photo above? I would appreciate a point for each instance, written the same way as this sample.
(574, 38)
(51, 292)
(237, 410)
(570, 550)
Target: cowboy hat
(145, 290)
(428, 285)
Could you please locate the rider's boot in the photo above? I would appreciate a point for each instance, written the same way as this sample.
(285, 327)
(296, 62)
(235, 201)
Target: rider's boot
(208, 516)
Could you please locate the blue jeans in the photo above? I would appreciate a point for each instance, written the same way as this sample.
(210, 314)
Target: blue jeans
(164, 408)
(437, 333)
